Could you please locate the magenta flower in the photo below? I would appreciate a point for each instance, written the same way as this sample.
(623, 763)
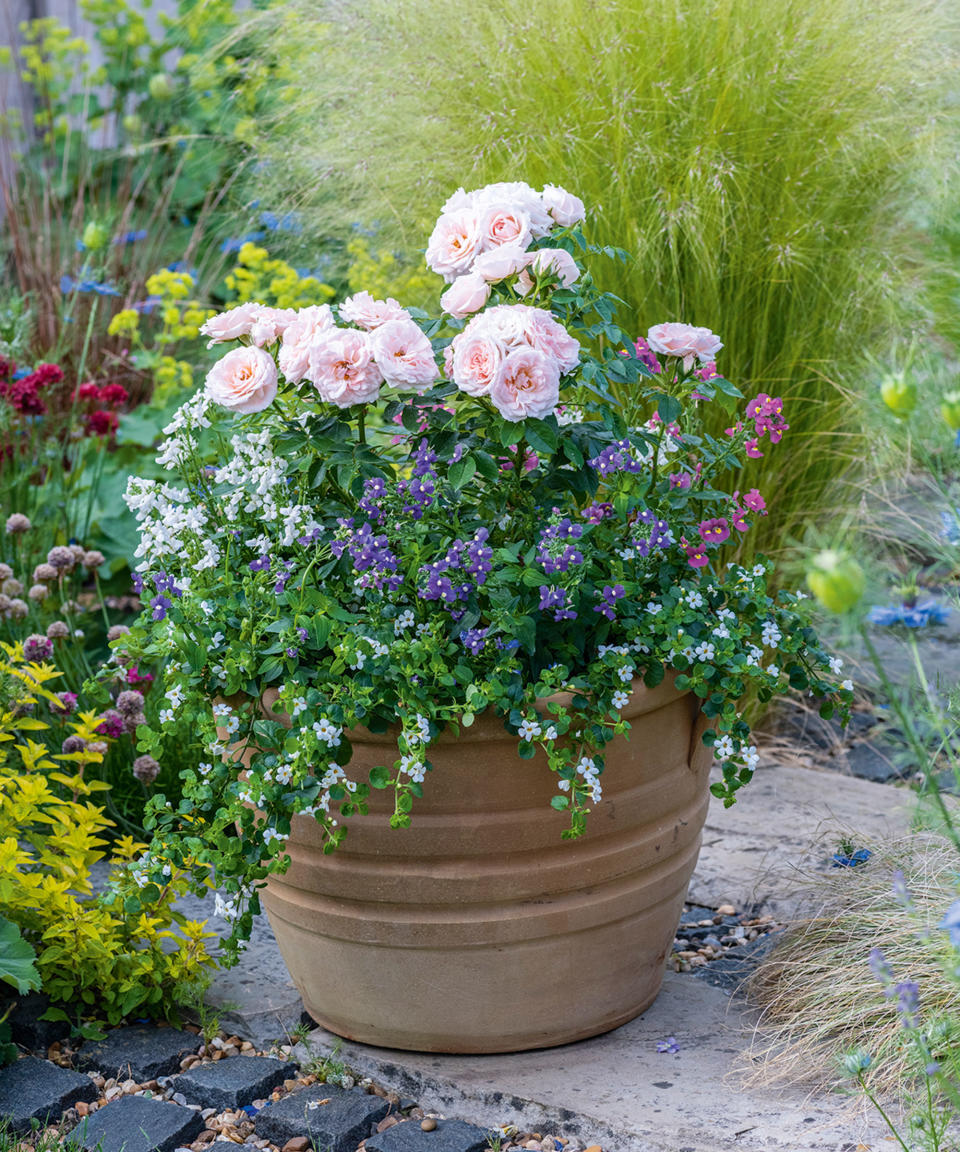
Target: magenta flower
(696, 556)
(66, 703)
(738, 518)
(714, 531)
(755, 502)
(680, 479)
(753, 450)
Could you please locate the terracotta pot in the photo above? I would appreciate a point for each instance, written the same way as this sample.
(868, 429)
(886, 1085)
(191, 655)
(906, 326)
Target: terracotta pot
(478, 929)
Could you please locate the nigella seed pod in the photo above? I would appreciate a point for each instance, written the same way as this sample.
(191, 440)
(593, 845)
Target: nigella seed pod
(950, 410)
(899, 392)
(836, 579)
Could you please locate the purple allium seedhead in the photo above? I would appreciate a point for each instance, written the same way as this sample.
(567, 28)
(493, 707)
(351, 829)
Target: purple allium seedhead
(130, 702)
(37, 648)
(146, 769)
(66, 704)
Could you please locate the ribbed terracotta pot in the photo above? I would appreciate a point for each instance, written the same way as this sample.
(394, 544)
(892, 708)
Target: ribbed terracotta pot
(478, 929)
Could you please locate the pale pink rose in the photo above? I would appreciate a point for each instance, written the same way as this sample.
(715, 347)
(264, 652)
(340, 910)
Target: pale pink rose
(563, 206)
(458, 200)
(476, 360)
(448, 354)
(403, 354)
(545, 333)
(245, 380)
(466, 295)
(501, 225)
(361, 308)
(269, 324)
(506, 323)
(298, 336)
(342, 368)
(230, 325)
(526, 386)
(685, 342)
(455, 241)
(516, 194)
(555, 260)
(499, 263)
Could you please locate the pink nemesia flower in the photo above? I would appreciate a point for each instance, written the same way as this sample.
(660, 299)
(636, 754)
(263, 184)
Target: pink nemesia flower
(680, 479)
(342, 368)
(755, 502)
(696, 556)
(404, 354)
(367, 312)
(526, 386)
(752, 449)
(714, 531)
(738, 518)
(530, 460)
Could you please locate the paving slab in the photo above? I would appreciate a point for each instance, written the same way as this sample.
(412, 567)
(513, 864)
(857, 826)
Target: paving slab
(140, 1052)
(447, 1136)
(232, 1083)
(136, 1124)
(33, 1089)
(620, 1092)
(336, 1120)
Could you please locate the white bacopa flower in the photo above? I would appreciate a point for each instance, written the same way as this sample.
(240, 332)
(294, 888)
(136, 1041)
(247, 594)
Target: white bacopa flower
(705, 651)
(771, 634)
(327, 732)
(166, 716)
(620, 700)
(836, 665)
(550, 734)
(773, 670)
(625, 673)
(423, 629)
(759, 570)
(694, 598)
(529, 730)
(298, 705)
(847, 685)
(722, 632)
(404, 621)
(723, 749)
(216, 639)
(751, 757)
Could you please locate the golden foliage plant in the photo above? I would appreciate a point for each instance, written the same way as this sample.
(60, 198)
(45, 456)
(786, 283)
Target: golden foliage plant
(108, 955)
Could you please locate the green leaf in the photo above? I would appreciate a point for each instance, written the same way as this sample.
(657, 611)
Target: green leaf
(17, 958)
(380, 777)
(560, 803)
(669, 409)
(462, 471)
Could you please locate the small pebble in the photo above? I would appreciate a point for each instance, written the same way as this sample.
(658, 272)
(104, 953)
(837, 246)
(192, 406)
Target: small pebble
(723, 910)
(178, 1098)
(297, 1144)
(428, 1123)
(81, 1107)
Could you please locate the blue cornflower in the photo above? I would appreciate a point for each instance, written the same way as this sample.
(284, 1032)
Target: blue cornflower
(951, 923)
(235, 243)
(915, 616)
(851, 859)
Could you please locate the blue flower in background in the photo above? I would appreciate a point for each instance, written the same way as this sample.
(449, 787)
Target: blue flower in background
(182, 266)
(234, 243)
(290, 222)
(131, 237)
(951, 522)
(951, 923)
(68, 285)
(918, 616)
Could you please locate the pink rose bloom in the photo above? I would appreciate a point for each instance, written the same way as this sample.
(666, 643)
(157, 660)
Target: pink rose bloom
(269, 324)
(466, 295)
(552, 338)
(499, 263)
(342, 368)
(526, 386)
(298, 337)
(685, 342)
(563, 206)
(476, 360)
(454, 243)
(555, 260)
(501, 225)
(230, 325)
(404, 354)
(245, 380)
(361, 308)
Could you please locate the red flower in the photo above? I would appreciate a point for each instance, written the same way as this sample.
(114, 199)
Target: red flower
(102, 423)
(43, 376)
(114, 395)
(7, 368)
(88, 391)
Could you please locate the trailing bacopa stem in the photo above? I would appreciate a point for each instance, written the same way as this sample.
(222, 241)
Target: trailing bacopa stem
(402, 523)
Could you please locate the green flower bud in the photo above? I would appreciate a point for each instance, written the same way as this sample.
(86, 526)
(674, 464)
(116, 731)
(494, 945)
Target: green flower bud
(95, 236)
(950, 410)
(159, 86)
(836, 579)
(899, 393)
(132, 124)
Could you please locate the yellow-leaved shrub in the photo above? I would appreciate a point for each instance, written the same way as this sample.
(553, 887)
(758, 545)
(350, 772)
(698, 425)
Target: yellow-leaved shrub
(123, 951)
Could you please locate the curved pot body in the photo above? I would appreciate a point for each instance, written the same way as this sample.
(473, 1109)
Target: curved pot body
(477, 929)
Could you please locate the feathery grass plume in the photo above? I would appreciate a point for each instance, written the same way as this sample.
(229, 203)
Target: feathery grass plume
(816, 990)
(758, 160)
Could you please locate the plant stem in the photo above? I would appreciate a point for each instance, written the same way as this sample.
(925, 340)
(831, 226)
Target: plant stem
(361, 424)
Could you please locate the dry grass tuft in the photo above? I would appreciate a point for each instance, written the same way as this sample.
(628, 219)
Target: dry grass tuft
(816, 991)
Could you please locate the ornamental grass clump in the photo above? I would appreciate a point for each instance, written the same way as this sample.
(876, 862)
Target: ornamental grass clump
(767, 166)
(399, 522)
